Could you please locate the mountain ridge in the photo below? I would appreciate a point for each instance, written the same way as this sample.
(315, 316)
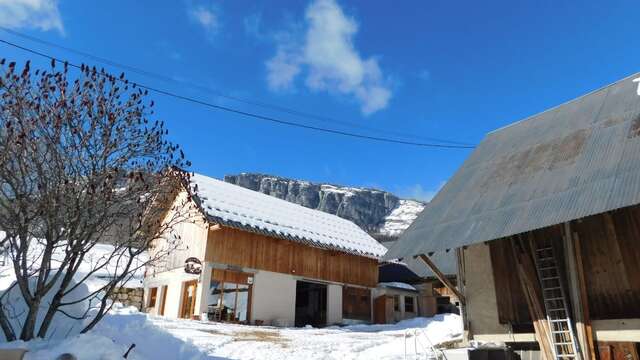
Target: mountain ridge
(382, 214)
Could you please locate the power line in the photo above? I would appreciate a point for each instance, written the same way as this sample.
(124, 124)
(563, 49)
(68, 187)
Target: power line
(250, 114)
(221, 94)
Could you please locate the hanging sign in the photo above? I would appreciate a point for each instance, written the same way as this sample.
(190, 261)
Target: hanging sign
(193, 266)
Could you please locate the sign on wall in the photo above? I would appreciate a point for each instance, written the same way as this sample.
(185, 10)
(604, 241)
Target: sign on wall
(193, 266)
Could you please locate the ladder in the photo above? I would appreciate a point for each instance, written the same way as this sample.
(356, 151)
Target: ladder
(562, 334)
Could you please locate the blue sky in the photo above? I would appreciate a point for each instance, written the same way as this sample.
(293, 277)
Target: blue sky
(448, 70)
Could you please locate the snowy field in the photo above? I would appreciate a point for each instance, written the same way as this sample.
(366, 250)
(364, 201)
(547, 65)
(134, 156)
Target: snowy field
(158, 338)
(352, 342)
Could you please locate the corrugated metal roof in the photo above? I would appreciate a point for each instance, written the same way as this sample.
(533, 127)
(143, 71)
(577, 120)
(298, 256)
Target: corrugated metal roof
(249, 210)
(445, 261)
(578, 159)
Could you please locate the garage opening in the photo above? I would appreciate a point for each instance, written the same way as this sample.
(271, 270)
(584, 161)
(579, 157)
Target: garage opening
(311, 304)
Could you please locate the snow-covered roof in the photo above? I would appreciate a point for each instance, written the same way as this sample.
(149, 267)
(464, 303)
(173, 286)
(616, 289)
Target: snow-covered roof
(249, 210)
(397, 285)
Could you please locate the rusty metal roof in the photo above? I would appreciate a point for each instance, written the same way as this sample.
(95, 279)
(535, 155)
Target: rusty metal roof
(578, 159)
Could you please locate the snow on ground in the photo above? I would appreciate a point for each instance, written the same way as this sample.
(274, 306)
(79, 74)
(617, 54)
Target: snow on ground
(173, 339)
(401, 217)
(94, 258)
(349, 342)
(99, 260)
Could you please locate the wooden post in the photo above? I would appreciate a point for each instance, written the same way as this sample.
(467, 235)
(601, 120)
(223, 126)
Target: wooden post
(582, 284)
(575, 293)
(461, 282)
(442, 278)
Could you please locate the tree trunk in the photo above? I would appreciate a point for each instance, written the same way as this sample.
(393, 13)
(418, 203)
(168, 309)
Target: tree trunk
(28, 328)
(9, 334)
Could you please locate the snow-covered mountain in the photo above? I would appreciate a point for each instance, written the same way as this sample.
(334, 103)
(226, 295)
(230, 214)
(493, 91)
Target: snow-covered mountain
(380, 213)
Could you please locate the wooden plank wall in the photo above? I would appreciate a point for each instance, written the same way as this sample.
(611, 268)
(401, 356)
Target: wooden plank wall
(192, 234)
(356, 303)
(511, 301)
(241, 248)
(610, 245)
(617, 350)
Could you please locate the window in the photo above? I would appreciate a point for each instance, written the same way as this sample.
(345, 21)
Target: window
(408, 304)
(228, 298)
(153, 294)
(396, 303)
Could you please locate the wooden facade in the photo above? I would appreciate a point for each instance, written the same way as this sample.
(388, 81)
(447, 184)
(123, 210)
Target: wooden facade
(512, 305)
(601, 253)
(610, 246)
(356, 303)
(250, 250)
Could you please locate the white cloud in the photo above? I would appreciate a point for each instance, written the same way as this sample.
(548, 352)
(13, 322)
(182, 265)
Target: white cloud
(207, 17)
(332, 63)
(31, 14)
(417, 192)
(282, 69)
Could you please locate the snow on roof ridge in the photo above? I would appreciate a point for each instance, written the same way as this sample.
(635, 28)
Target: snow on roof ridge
(236, 204)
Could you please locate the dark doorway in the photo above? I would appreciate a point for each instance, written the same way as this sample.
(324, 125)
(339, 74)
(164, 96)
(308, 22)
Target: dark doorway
(311, 304)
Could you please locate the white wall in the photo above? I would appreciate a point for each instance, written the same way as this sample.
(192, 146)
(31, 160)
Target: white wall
(186, 238)
(174, 279)
(334, 304)
(274, 298)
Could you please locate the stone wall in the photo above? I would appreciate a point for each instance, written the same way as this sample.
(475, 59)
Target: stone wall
(129, 296)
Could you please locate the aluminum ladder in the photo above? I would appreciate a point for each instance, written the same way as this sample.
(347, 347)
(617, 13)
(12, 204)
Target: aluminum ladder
(563, 340)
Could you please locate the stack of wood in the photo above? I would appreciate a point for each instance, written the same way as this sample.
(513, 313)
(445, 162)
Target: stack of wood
(523, 254)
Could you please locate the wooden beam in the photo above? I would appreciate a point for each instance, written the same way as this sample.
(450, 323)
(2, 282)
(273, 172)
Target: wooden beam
(461, 282)
(582, 284)
(575, 293)
(442, 278)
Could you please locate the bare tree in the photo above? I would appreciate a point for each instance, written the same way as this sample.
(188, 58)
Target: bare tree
(80, 164)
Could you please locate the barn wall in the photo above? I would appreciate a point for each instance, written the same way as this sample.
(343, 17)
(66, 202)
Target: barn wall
(274, 298)
(249, 250)
(610, 246)
(174, 279)
(482, 305)
(334, 304)
(512, 304)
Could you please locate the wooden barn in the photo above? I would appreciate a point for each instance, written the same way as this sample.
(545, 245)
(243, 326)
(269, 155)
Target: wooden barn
(248, 257)
(544, 219)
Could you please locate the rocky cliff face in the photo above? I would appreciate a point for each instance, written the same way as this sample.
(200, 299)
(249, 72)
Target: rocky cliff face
(380, 213)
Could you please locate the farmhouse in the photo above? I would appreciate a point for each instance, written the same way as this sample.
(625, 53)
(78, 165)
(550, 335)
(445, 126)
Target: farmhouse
(248, 257)
(544, 219)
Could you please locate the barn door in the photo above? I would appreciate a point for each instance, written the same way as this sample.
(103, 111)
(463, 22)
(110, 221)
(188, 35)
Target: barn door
(311, 304)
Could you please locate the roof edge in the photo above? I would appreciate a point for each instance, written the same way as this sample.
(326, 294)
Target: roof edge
(303, 241)
(562, 104)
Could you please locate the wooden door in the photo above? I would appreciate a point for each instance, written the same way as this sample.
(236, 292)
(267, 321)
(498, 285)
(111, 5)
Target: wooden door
(380, 310)
(163, 299)
(356, 303)
(189, 291)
